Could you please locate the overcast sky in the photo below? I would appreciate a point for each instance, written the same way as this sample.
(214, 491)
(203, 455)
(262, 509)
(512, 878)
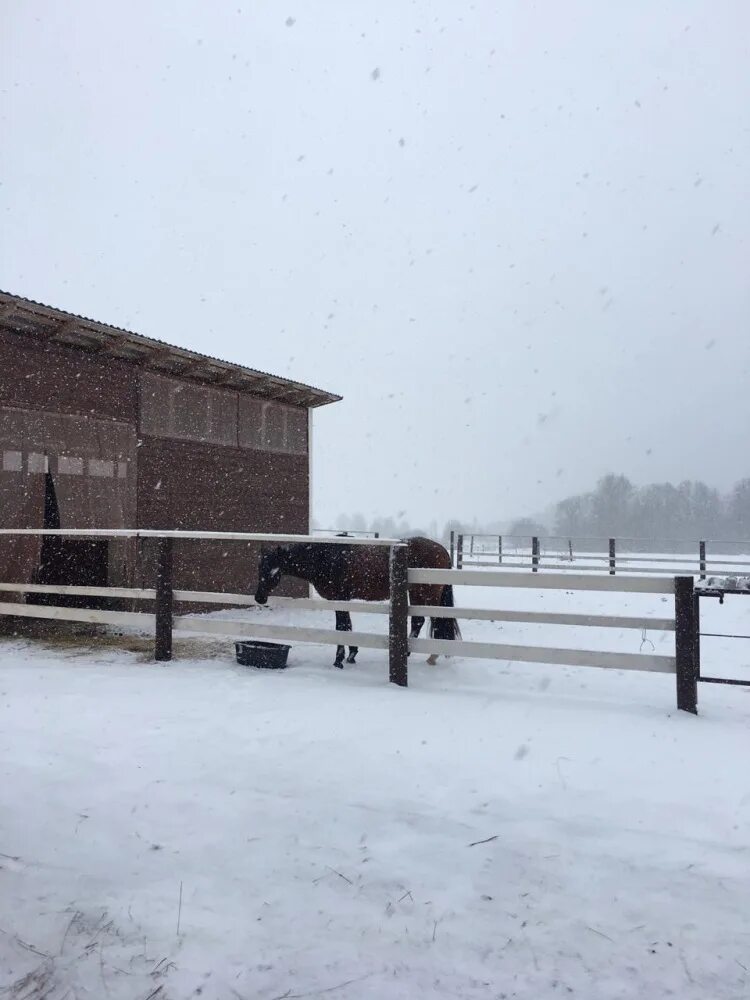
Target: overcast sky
(513, 235)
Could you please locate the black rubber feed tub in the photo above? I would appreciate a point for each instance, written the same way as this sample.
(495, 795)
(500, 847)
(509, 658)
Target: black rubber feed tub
(271, 655)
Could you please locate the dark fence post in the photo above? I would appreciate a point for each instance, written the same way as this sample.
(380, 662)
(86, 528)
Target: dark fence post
(460, 552)
(534, 554)
(500, 549)
(687, 643)
(398, 631)
(471, 545)
(377, 534)
(164, 600)
(611, 557)
(453, 545)
(702, 559)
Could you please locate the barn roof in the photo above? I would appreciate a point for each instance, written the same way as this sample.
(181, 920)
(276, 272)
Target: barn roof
(26, 316)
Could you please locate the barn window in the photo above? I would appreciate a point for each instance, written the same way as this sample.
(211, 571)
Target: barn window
(274, 427)
(12, 461)
(270, 426)
(37, 463)
(101, 467)
(187, 411)
(296, 430)
(251, 423)
(69, 465)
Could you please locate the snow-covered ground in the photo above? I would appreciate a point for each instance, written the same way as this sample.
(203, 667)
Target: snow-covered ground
(495, 830)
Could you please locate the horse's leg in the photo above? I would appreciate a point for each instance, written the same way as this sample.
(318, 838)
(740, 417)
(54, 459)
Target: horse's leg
(343, 624)
(416, 627)
(353, 650)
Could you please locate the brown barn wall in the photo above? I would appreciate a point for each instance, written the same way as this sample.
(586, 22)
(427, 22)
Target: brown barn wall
(187, 486)
(180, 484)
(43, 376)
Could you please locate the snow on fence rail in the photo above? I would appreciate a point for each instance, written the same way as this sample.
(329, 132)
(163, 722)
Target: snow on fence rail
(164, 622)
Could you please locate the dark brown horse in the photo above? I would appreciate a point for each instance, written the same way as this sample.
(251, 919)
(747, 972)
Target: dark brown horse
(341, 572)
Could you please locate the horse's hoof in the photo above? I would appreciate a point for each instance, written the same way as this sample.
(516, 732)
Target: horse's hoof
(339, 664)
(432, 660)
(351, 659)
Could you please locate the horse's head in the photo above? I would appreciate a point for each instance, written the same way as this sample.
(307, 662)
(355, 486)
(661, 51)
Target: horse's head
(270, 568)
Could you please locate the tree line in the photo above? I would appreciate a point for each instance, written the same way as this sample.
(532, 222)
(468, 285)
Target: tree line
(614, 508)
(660, 511)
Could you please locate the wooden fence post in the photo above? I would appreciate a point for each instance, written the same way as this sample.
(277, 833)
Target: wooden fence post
(471, 545)
(500, 549)
(611, 557)
(687, 644)
(534, 554)
(398, 624)
(702, 559)
(453, 545)
(460, 552)
(164, 600)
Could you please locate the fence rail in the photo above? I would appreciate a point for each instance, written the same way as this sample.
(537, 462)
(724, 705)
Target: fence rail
(548, 581)
(164, 622)
(220, 536)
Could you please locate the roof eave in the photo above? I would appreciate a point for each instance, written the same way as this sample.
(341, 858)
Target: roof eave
(26, 316)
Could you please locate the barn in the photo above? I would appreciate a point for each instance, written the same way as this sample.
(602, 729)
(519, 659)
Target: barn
(103, 428)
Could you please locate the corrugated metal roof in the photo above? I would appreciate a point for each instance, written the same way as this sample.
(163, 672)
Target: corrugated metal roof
(26, 316)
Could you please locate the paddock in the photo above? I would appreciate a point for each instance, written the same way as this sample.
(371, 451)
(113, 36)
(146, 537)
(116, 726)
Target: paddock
(504, 825)
(683, 622)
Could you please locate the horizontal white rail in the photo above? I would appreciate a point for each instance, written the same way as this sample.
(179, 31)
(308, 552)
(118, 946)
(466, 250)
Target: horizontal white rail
(48, 588)
(671, 560)
(305, 603)
(545, 618)
(136, 619)
(570, 568)
(200, 597)
(543, 581)
(545, 654)
(250, 630)
(219, 536)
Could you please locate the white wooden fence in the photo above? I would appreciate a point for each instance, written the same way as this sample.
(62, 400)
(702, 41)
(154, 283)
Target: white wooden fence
(617, 556)
(163, 622)
(545, 654)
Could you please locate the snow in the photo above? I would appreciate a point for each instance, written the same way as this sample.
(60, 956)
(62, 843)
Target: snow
(495, 830)
(726, 583)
